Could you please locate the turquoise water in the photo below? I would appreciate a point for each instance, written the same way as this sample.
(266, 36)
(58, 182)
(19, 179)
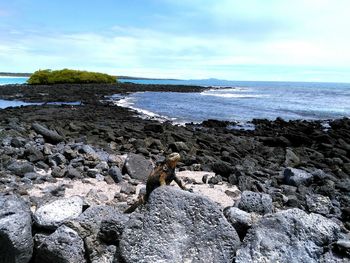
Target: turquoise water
(12, 80)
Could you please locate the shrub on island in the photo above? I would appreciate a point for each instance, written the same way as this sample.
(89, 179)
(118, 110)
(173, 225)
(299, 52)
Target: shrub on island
(69, 76)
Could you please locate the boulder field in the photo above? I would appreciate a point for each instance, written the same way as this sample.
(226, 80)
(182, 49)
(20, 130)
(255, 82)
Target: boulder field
(278, 193)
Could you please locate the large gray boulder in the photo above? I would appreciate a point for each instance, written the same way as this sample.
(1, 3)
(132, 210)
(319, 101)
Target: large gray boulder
(63, 246)
(16, 243)
(255, 202)
(177, 226)
(291, 236)
(138, 167)
(53, 214)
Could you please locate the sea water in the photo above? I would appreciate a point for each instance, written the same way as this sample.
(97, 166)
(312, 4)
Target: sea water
(4, 80)
(243, 101)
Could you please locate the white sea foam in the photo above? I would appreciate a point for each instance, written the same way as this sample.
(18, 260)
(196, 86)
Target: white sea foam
(128, 102)
(231, 95)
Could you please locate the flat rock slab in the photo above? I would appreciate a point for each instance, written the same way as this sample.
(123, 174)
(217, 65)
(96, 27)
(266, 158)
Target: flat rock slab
(291, 236)
(16, 244)
(53, 214)
(177, 226)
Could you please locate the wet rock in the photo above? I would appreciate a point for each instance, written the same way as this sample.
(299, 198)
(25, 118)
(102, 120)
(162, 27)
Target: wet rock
(49, 135)
(202, 232)
(297, 177)
(16, 244)
(138, 167)
(21, 167)
(63, 246)
(255, 202)
(288, 236)
(116, 174)
(53, 214)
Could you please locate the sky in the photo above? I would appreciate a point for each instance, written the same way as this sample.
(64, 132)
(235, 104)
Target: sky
(269, 40)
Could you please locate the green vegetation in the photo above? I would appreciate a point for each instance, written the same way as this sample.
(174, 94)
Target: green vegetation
(65, 76)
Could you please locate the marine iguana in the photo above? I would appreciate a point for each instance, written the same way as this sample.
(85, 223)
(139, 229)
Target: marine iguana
(162, 174)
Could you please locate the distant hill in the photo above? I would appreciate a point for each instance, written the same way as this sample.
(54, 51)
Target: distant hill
(9, 74)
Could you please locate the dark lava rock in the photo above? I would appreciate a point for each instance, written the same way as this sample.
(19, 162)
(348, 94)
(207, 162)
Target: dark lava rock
(157, 128)
(58, 172)
(138, 167)
(288, 236)
(186, 228)
(63, 246)
(20, 168)
(222, 168)
(49, 135)
(255, 202)
(112, 228)
(16, 244)
(116, 174)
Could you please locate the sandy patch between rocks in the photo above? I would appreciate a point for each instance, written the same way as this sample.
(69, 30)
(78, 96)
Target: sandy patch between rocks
(222, 194)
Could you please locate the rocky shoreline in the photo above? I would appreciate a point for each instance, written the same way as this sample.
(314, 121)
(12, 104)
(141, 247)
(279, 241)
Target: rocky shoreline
(280, 192)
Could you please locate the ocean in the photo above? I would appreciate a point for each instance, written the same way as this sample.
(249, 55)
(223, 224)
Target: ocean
(243, 101)
(239, 101)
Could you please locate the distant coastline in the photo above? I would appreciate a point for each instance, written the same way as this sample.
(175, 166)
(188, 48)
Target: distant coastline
(11, 74)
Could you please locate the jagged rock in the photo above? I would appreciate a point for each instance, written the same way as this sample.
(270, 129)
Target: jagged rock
(177, 226)
(50, 135)
(112, 228)
(89, 226)
(116, 174)
(21, 167)
(88, 223)
(288, 236)
(57, 159)
(222, 168)
(292, 159)
(240, 220)
(53, 214)
(63, 246)
(255, 202)
(58, 172)
(319, 204)
(16, 244)
(297, 177)
(179, 147)
(138, 167)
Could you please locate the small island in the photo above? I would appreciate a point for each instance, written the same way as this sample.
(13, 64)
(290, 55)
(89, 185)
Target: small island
(69, 76)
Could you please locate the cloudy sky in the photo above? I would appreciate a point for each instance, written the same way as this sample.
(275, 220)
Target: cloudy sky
(299, 40)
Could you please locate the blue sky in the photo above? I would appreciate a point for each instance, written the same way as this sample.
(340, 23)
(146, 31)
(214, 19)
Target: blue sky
(300, 40)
